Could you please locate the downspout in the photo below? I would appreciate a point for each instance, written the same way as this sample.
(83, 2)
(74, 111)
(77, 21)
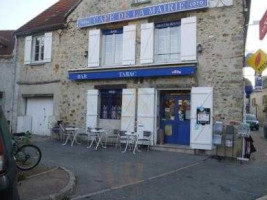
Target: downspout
(14, 84)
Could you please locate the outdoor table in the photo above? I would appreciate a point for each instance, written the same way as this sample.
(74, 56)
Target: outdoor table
(73, 133)
(99, 133)
(131, 137)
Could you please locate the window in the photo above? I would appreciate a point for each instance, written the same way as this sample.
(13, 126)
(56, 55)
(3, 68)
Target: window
(38, 48)
(167, 42)
(112, 47)
(111, 101)
(264, 100)
(254, 103)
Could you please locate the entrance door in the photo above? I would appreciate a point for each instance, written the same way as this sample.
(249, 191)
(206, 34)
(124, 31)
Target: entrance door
(40, 109)
(175, 118)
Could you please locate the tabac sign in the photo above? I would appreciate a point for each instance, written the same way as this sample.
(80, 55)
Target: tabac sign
(258, 61)
(160, 9)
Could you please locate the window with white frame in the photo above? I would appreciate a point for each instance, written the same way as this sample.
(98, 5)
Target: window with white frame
(167, 42)
(38, 48)
(112, 47)
(111, 102)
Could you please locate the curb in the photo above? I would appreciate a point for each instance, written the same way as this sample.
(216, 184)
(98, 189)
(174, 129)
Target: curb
(262, 198)
(68, 190)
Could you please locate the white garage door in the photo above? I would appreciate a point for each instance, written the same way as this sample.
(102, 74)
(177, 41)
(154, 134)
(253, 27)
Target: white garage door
(40, 109)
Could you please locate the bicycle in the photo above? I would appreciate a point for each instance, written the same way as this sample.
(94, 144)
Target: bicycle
(27, 156)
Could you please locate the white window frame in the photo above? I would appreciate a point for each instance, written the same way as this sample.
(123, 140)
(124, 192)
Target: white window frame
(103, 40)
(167, 59)
(40, 48)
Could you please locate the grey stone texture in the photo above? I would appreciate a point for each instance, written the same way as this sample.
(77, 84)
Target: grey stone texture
(37, 80)
(260, 108)
(7, 68)
(219, 30)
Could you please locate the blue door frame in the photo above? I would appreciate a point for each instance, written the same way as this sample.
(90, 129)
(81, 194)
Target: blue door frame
(175, 118)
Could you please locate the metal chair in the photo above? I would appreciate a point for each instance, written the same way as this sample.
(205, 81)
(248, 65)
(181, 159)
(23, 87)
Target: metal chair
(64, 133)
(145, 139)
(122, 138)
(115, 135)
(91, 137)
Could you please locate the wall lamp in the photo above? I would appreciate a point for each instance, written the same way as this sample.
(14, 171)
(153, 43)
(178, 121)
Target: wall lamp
(199, 48)
(86, 54)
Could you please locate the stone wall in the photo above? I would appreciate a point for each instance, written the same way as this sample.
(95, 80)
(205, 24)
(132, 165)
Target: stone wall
(37, 80)
(259, 110)
(7, 68)
(219, 30)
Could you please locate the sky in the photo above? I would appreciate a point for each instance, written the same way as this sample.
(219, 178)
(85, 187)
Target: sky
(258, 9)
(15, 13)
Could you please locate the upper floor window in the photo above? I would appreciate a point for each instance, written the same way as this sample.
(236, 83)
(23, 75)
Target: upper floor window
(38, 48)
(167, 42)
(112, 47)
(254, 103)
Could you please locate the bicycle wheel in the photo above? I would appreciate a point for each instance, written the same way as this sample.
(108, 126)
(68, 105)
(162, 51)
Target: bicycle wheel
(27, 157)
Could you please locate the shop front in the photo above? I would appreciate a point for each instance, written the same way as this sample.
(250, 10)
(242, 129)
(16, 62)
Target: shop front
(129, 107)
(175, 116)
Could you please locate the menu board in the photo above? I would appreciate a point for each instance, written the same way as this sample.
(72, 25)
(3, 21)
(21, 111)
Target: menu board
(203, 116)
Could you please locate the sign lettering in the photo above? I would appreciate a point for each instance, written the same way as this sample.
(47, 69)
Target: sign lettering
(160, 9)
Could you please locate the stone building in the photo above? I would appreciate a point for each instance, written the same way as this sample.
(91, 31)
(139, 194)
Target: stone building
(7, 75)
(174, 66)
(171, 67)
(258, 103)
(38, 68)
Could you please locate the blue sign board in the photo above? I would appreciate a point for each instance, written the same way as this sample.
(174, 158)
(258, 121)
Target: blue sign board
(160, 9)
(132, 73)
(258, 83)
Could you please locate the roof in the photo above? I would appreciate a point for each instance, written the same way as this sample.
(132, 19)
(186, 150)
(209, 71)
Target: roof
(7, 41)
(52, 18)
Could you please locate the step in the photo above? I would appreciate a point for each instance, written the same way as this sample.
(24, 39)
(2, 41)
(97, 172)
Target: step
(173, 148)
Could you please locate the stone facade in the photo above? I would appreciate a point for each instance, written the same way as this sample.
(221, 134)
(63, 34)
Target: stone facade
(7, 75)
(37, 80)
(219, 30)
(258, 105)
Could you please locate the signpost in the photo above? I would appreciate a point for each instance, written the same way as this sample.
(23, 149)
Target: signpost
(258, 61)
(263, 26)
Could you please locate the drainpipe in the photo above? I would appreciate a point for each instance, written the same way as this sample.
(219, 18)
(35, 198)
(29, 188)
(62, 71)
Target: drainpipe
(14, 84)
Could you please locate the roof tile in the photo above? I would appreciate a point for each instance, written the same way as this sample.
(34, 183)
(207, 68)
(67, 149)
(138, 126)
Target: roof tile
(51, 19)
(7, 41)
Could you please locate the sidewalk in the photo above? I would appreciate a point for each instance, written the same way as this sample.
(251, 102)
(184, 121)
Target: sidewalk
(53, 184)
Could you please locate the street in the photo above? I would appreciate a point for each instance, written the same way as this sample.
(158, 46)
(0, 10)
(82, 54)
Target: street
(108, 174)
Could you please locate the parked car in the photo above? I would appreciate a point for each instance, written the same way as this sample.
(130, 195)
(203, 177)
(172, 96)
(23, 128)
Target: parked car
(252, 121)
(8, 168)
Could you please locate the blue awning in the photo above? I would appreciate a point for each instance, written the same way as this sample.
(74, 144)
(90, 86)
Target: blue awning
(132, 73)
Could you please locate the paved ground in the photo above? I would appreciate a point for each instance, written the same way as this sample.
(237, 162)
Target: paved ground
(43, 184)
(108, 174)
